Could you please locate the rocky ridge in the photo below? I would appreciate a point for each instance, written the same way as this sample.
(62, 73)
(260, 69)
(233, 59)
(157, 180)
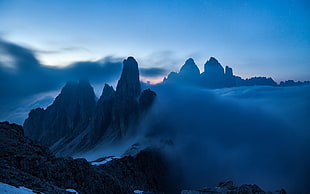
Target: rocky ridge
(75, 121)
(229, 188)
(214, 76)
(24, 163)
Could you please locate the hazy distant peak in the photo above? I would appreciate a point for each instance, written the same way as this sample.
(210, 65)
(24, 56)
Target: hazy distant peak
(189, 67)
(212, 66)
(213, 61)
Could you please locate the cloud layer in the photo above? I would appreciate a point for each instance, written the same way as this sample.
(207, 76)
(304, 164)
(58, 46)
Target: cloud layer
(253, 135)
(23, 77)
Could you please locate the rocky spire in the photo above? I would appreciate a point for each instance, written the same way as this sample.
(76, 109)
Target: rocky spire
(125, 109)
(103, 114)
(129, 83)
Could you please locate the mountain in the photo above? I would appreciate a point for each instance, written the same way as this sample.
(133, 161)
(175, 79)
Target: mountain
(125, 109)
(189, 74)
(77, 121)
(27, 164)
(69, 114)
(214, 76)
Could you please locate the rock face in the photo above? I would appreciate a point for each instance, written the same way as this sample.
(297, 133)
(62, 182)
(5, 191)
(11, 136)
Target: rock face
(103, 115)
(213, 76)
(228, 187)
(129, 83)
(69, 114)
(75, 121)
(24, 163)
(126, 107)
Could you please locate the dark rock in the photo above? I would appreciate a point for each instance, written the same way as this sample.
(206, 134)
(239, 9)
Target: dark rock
(125, 109)
(129, 83)
(24, 163)
(103, 114)
(69, 114)
(75, 122)
(146, 99)
(228, 187)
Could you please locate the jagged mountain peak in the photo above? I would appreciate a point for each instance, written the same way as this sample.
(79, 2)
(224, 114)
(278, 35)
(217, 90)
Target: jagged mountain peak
(68, 115)
(75, 121)
(107, 92)
(213, 67)
(129, 83)
(190, 67)
(81, 87)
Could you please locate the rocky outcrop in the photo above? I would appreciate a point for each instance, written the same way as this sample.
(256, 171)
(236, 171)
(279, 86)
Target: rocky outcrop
(229, 187)
(24, 163)
(75, 121)
(118, 111)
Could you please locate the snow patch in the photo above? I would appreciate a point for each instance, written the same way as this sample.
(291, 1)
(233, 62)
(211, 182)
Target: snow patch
(104, 160)
(5, 188)
(72, 191)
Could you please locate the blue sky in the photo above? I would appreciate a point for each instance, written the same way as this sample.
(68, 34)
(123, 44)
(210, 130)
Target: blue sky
(256, 38)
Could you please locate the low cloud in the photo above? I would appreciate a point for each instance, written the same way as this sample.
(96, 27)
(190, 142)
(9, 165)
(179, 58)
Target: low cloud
(252, 135)
(153, 72)
(23, 76)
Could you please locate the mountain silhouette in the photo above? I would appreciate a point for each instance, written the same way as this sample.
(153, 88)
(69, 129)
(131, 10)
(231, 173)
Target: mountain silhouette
(76, 121)
(69, 114)
(214, 76)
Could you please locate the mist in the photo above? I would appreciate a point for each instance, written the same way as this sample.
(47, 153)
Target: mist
(250, 135)
(26, 83)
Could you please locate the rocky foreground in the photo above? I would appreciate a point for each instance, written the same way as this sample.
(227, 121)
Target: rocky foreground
(229, 188)
(24, 163)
